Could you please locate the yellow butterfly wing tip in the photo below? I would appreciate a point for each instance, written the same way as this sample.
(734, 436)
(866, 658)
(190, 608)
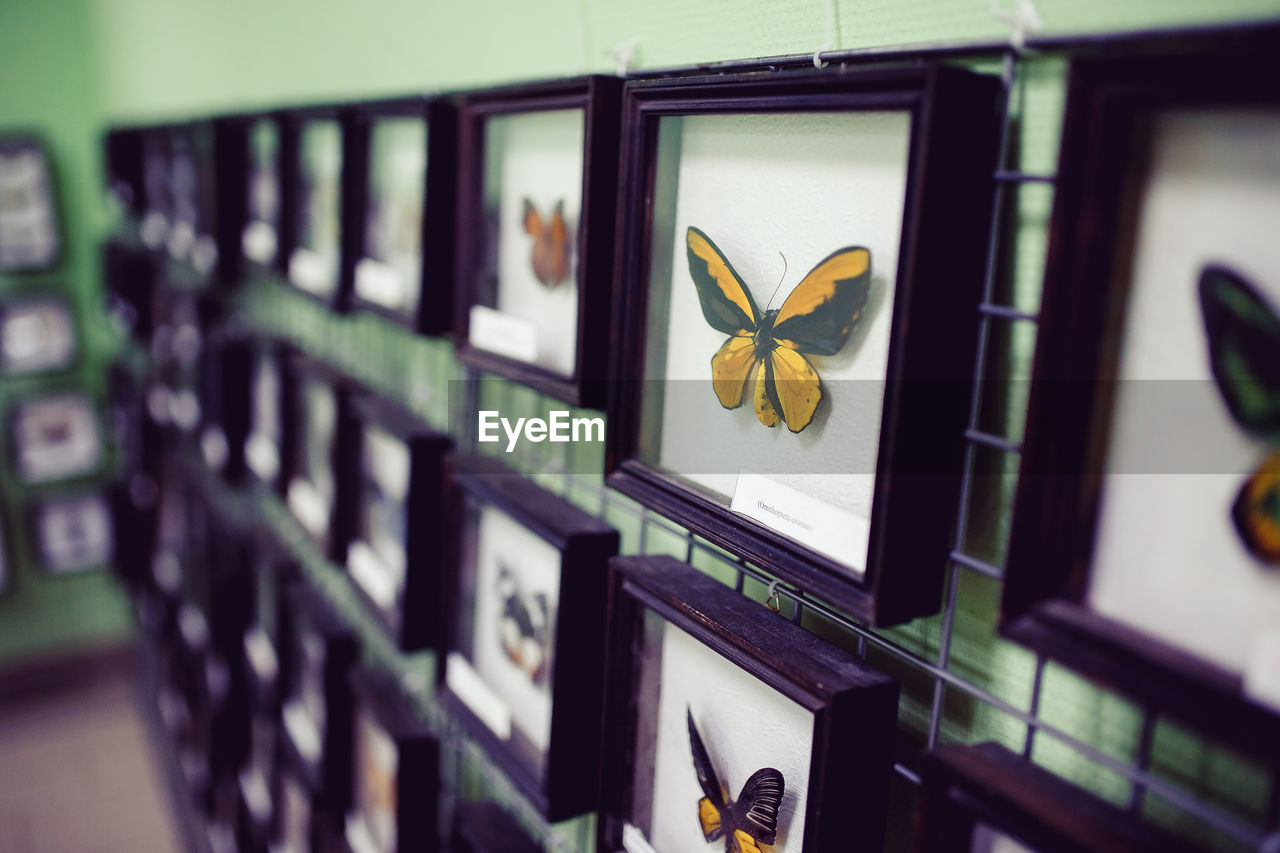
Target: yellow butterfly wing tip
(747, 844)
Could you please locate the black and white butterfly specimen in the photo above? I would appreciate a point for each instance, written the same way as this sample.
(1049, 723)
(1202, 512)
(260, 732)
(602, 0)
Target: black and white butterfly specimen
(523, 626)
(751, 823)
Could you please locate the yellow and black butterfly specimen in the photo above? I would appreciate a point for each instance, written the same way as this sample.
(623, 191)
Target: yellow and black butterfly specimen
(1244, 355)
(767, 351)
(751, 823)
(550, 243)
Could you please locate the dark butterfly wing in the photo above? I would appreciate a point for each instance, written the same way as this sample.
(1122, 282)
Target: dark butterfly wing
(1244, 349)
(1256, 512)
(726, 303)
(825, 306)
(758, 804)
(711, 807)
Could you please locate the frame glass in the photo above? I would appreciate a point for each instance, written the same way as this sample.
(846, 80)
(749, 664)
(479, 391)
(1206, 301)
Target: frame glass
(37, 334)
(522, 673)
(400, 515)
(697, 674)
(56, 437)
(986, 799)
(396, 791)
(1153, 397)
(315, 247)
(795, 386)
(537, 198)
(75, 534)
(30, 237)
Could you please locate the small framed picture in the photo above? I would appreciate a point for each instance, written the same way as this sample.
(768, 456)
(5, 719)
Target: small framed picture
(1154, 397)
(525, 662)
(122, 161)
(193, 192)
(55, 437)
(37, 334)
(226, 372)
(261, 239)
(794, 386)
(157, 217)
(30, 237)
(401, 511)
(396, 796)
(485, 827)
(268, 448)
(316, 709)
(296, 825)
(320, 449)
(537, 194)
(404, 159)
(315, 239)
(986, 799)
(736, 723)
(75, 533)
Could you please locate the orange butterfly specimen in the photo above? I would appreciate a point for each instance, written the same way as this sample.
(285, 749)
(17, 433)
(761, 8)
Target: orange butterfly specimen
(550, 243)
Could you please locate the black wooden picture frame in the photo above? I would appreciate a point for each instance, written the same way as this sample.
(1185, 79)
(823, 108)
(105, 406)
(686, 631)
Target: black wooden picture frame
(259, 242)
(55, 436)
(1074, 383)
(974, 792)
(854, 707)
(599, 98)
(560, 779)
(273, 383)
(412, 617)
(226, 364)
(39, 333)
(122, 166)
(432, 309)
(295, 209)
(332, 532)
(326, 772)
(932, 338)
(416, 783)
(38, 244)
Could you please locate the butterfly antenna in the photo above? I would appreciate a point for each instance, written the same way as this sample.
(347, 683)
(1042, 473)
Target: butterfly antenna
(780, 281)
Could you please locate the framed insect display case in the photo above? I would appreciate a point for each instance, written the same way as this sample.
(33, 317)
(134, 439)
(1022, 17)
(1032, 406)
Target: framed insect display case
(226, 388)
(1154, 398)
(54, 437)
(316, 188)
(273, 413)
(270, 152)
(404, 179)
(30, 235)
(986, 799)
(396, 784)
(399, 518)
(485, 827)
(729, 725)
(525, 662)
(316, 708)
(537, 194)
(38, 334)
(794, 386)
(322, 457)
(74, 533)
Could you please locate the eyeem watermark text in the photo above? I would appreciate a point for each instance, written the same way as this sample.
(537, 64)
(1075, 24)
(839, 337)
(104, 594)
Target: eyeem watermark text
(557, 427)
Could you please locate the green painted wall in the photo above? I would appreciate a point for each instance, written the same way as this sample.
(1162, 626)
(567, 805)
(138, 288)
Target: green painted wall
(49, 88)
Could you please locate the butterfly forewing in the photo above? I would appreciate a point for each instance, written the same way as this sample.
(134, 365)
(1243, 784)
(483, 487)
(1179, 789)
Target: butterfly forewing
(726, 303)
(1244, 349)
(759, 802)
(827, 303)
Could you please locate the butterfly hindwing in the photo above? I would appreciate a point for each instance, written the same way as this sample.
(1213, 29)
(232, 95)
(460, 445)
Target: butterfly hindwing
(827, 303)
(1244, 349)
(731, 366)
(709, 818)
(1256, 511)
(726, 301)
(796, 387)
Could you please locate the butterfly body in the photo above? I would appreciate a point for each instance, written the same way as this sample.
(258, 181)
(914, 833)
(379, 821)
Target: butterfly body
(767, 351)
(748, 825)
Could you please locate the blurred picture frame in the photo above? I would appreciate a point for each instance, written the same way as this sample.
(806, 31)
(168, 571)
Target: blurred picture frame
(74, 533)
(273, 412)
(226, 385)
(56, 436)
(321, 461)
(524, 663)
(396, 766)
(122, 166)
(400, 513)
(1124, 437)
(537, 193)
(269, 152)
(404, 179)
(39, 334)
(30, 229)
(849, 490)
(316, 217)
(157, 214)
(680, 645)
(985, 799)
